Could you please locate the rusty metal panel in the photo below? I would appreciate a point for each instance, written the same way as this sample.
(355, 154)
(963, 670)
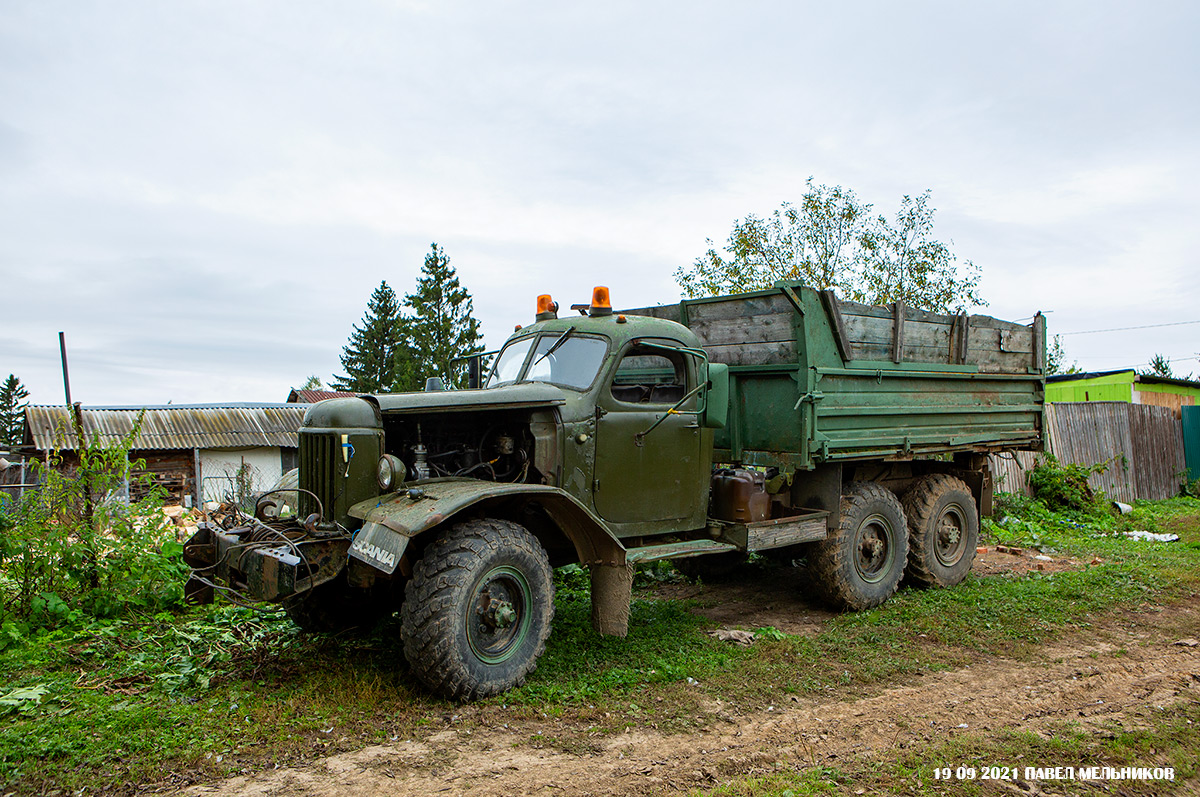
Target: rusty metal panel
(171, 427)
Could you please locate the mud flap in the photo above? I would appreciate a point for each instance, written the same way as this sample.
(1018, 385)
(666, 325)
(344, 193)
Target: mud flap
(378, 546)
(612, 594)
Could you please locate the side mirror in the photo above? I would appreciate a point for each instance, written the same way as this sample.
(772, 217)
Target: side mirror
(716, 404)
(474, 375)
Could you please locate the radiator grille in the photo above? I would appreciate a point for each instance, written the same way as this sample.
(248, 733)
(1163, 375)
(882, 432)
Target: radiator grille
(318, 472)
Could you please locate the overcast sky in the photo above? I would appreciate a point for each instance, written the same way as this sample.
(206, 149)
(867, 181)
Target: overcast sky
(203, 195)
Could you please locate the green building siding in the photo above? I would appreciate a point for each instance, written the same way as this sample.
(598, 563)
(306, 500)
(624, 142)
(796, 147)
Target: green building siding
(1112, 387)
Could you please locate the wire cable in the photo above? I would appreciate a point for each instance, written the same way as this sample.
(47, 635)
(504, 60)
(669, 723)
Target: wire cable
(1125, 329)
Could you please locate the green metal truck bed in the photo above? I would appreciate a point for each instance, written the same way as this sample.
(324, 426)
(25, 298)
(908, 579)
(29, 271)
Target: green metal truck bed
(817, 379)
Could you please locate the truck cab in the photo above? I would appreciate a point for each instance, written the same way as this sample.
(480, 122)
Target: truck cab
(587, 432)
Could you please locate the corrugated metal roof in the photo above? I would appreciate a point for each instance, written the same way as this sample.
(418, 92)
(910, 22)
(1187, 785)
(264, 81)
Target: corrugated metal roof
(171, 427)
(298, 396)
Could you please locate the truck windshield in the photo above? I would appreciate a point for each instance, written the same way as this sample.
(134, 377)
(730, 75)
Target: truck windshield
(574, 363)
(508, 366)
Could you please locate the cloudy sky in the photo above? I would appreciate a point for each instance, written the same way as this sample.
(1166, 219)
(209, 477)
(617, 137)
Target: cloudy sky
(203, 195)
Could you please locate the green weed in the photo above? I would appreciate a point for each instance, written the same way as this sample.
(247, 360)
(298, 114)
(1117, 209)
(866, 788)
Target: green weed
(219, 690)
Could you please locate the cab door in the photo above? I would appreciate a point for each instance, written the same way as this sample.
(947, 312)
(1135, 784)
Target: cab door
(660, 476)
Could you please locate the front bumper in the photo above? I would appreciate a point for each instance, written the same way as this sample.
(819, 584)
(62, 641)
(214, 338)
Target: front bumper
(257, 566)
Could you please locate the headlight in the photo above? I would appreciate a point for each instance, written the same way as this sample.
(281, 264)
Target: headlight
(390, 472)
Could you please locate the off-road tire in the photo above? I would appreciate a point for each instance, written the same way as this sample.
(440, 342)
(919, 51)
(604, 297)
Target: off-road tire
(711, 568)
(860, 564)
(943, 530)
(457, 646)
(335, 607)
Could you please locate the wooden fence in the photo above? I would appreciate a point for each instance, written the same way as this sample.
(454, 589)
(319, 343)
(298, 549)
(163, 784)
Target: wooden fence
(1141, 445)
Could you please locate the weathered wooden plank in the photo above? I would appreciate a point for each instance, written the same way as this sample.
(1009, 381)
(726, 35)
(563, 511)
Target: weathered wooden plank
(668, 311)
(1141, 445)
(1157, 461)
(778, 533)
(832, 309)
(897, 331)
(770, 328)
(1037, 341)
(864, 329)
(740, 307)
(849, 308)
(1010, 469)
(778, 353)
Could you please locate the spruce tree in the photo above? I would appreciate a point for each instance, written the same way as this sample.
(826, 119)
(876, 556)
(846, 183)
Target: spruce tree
(376, 357)
(443, 328)
(12, 411)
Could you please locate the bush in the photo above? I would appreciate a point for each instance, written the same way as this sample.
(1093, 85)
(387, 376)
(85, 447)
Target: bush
(1065, 487)
(75, 544)
(1190, 489)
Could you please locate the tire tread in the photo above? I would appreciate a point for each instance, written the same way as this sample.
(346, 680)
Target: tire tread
(830, 564)
(919, 504)
(431, 599)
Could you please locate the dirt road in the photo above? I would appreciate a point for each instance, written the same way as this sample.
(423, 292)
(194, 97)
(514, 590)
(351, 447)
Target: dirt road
(1116, 676)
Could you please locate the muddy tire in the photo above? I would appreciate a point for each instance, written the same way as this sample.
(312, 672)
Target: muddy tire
(859, 565)
(943, 530)
(712, 568)
(334, 607)
(478, 609)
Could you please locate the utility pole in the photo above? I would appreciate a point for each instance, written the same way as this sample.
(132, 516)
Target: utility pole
(62, 347)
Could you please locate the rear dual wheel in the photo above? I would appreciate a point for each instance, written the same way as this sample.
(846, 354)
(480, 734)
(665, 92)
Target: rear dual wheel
(943, 527)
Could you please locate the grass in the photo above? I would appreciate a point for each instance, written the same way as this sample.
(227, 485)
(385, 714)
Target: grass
(108, 705)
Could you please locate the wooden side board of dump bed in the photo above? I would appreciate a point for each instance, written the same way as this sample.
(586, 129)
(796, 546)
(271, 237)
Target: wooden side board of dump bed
(816, 378)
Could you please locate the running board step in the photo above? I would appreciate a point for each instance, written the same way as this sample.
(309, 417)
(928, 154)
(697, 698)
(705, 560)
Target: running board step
(676, 550)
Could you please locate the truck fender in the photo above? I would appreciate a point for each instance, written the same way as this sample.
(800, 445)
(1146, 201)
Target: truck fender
(392, 520)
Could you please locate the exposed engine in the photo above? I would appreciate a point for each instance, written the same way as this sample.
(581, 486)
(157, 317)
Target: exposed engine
(493, 446)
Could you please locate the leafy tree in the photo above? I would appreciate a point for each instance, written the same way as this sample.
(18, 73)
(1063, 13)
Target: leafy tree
(376, 358)
(442, 328)
(1056, 358)
(12, 411)
(902, 261)
(831, 240)
(313, 383)
(815, 243)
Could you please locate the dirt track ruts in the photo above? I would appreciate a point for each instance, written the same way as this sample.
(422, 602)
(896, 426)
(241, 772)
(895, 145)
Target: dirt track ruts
(1109, 679)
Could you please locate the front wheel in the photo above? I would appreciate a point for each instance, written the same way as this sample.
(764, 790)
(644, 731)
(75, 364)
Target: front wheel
(478, 609)
(860, 563)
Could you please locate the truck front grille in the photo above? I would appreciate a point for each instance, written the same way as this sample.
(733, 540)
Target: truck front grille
(318, 472)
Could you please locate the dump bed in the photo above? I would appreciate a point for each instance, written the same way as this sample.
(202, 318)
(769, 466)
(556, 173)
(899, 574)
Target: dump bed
(815, 378)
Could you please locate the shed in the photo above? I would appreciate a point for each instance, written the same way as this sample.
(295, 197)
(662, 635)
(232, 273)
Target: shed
(201, 452)
(1125, 385)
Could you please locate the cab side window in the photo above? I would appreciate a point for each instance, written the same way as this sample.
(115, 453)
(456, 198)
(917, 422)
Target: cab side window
(647, 376)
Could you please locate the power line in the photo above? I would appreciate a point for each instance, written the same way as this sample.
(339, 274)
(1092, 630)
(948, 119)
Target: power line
(1123, 329)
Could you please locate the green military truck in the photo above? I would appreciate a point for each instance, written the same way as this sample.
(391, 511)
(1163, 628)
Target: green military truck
(786, 422)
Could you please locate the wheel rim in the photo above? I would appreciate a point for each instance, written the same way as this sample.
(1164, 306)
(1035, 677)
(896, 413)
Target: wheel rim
(498, 614)
(873, 550)
(951, 536)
